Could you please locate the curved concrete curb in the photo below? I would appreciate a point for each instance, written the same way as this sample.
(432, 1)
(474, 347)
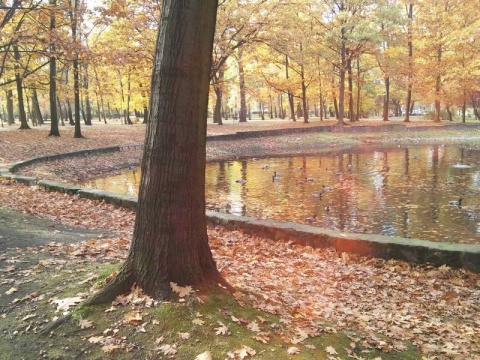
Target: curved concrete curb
(412, 250)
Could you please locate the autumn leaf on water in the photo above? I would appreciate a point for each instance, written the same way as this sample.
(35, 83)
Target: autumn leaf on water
(182, 291)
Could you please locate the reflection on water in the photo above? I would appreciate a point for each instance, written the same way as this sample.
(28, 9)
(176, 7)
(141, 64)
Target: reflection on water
(402, 191)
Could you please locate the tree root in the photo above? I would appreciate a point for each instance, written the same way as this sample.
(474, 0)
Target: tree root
(121, 284)
(47, 329)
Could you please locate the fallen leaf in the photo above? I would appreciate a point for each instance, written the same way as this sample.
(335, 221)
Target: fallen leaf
(244, 352)
(331, 350)
(222, 329)
(198, 322)
(182, 291)
(11, 291)
(65, 304)
(204, 356)
(184, 335)
(133, 317)
(96, 339)
(293, 350)
(110, 348)
(85, 324)
(168, 349)
(253, 326)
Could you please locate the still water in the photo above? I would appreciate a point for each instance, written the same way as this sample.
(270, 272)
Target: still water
(401, 191)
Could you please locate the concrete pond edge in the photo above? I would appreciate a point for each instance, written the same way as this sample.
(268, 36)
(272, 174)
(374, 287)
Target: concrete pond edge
(416, 251)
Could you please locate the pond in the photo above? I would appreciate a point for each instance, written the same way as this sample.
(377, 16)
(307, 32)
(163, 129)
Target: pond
(411, 192)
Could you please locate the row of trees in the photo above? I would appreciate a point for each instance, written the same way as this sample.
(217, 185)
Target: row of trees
(342, 58)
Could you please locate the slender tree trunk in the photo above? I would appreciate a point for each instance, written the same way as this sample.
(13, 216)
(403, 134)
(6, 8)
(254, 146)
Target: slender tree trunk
(217, 87)
(76, 72)
(29, 112)
(320, 93)
(53, 76)
(341, 87)
(70, 112)
(438, 87)
(10, 116)
(464, 111)
(37, 114)
(351, 113)
(62, 114)
(170, 242)
(410, 63)
(20, 98)
(357, 117)
(88, 108)
(304, 88)
(129, 88)
(241, 76)
(386, 99)
(290, 95)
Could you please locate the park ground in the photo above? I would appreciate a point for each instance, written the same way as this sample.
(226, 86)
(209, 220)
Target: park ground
(292, 302)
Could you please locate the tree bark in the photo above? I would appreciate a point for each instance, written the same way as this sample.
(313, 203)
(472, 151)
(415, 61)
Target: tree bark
(10, 116)
(76, 73)
(19, 82)
(37, 114)
(241, 75)
(170, 241)
(410, 63)
(386, 99)
(53, 76)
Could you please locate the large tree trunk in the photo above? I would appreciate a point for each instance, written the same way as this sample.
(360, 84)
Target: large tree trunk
(170, 241)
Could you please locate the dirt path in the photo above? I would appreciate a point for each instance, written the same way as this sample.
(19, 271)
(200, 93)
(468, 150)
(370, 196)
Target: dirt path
(19, 230)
